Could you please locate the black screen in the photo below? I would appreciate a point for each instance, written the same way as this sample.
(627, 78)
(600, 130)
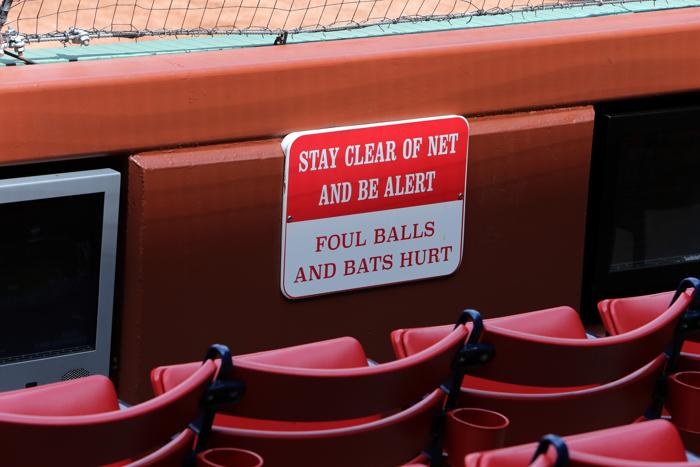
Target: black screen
(656, 212)
(49, 276)
(643, 219)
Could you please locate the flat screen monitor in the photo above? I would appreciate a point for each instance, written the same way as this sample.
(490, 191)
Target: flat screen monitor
(656, 203)
(58, 240)
(644, 209)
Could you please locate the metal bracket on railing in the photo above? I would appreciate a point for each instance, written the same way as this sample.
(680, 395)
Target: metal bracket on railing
(559, 445)
(76, 36)
(14, 40)
(4, 11)
(281, 38)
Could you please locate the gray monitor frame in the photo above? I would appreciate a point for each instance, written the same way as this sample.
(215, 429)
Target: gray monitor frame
(17, 375)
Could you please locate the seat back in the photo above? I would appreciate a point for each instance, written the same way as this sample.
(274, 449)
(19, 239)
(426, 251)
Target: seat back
(561, 322)
(531, 359)
(343, 352)
(621, 315)
(284, 384)
(651, 441)
(524, 356)
(386, 442)
(90, 395)
(534, 415)
(43, 438)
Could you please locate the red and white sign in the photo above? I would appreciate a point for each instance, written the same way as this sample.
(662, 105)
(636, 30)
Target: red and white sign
(373, 204)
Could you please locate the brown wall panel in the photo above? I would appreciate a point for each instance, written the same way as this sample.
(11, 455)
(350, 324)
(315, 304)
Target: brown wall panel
(203, 247)
(95, 107)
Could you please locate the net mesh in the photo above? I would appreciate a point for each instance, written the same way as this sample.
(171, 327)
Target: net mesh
(77, 21)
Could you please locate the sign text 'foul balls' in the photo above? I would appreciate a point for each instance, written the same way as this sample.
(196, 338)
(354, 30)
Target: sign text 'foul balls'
(373, 204)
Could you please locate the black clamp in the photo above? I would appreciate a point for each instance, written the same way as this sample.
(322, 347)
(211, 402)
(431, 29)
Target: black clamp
(688, 283)
(221, 392)
(687, 323)
(690, 321)
(471, 355)
(559, 446)
(224, 390)
(474, 355)
(658, 398)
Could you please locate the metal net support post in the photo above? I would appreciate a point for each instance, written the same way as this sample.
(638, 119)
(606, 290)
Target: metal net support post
(4, 11)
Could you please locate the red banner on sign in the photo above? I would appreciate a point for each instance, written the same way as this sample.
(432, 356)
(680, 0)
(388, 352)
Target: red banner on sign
(374, 168)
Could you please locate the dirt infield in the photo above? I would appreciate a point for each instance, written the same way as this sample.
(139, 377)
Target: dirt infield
(47, 16)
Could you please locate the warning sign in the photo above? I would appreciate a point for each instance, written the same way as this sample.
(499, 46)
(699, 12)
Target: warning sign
(373, 204)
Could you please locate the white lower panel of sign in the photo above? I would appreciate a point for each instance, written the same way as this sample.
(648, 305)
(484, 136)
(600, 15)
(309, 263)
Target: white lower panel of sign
(376, 248)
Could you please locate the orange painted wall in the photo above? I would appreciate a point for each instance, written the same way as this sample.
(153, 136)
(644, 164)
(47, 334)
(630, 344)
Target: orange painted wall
(125, 105)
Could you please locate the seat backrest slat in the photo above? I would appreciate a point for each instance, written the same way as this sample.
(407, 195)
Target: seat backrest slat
(622, 315)
(529, 358)
(287, 392)
(342, 352)
(534, 415)
(387, 442)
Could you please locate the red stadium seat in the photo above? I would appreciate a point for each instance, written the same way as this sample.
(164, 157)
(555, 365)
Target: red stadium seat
(326, 382)
(621, 315)
(560, 322)
(651, 443)
(532, 415)
(591, 383)
(525, 356)
(389, 441)
(79, 423)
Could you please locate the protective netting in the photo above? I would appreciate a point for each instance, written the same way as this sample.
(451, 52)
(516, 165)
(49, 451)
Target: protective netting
(77, 21)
